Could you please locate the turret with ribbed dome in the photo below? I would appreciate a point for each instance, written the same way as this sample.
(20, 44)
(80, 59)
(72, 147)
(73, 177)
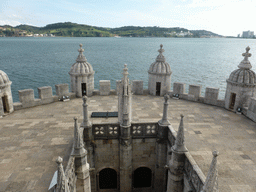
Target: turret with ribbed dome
(159, 74)
(6, 101)
(82, 76)
(240, 84)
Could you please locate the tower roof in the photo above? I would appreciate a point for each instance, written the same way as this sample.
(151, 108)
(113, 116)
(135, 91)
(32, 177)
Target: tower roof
(81, 67)
(243, 75)
(160, 66)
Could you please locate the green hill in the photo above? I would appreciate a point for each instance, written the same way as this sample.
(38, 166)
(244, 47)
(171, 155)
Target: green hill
(69, 29)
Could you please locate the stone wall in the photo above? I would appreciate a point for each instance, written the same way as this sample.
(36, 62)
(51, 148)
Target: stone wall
(250, 111)
(70, 174)
(27, 97)
(243, 95)
(137, 87)
(104, 87)
(164, 79)
(143, 149)
(194, 94)
(107, 154)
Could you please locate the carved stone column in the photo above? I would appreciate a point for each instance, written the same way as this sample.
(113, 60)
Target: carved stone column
(161, 149)
(125, 136)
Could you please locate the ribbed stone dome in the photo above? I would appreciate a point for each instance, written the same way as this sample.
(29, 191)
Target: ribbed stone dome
(160, 66)
(3, 78)
(81, 66)
(243, 75)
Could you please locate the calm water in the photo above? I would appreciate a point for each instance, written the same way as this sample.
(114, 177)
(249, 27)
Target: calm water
(36, 62)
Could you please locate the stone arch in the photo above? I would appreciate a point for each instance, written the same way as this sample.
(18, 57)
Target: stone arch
(107, 178)
(142, 177)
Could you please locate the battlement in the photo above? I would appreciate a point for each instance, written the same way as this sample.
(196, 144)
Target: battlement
(194, 94)
(27, 97)
(45, 96)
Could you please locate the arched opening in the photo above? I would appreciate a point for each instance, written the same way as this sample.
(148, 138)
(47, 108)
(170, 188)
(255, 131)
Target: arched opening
(107, 179)
(5, 104)
(232, 100)
(158, 88)
(142, 177)
(83, 88)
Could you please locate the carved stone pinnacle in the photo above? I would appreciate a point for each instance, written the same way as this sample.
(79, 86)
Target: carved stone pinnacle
(59, 160)
(85, 99)
(215, 153)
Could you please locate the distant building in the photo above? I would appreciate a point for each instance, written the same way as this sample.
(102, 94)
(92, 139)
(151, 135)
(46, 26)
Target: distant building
(248, 34)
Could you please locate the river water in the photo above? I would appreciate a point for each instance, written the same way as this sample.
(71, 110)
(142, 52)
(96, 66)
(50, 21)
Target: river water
(36, 62)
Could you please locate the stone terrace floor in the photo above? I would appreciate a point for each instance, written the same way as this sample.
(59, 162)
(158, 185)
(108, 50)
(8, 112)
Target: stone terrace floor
(31, 139)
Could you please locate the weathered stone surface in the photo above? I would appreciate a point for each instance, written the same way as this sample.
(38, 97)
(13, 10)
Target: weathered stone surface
(62, 89)
(195, 90)
(137, 87)
(178, 88)
(104, 87)
(211, 95)
(45, 92)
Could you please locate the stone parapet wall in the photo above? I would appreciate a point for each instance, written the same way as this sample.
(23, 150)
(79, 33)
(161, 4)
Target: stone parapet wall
(70, 173)
(45, 93)
(193, 176)
(104, 87)
(27, 96)
(194, 94)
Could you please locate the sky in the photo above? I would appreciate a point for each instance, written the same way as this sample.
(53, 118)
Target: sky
(224, 17)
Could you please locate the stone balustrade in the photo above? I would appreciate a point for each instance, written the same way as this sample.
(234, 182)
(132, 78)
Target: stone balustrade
(70, 173)
(112, 131)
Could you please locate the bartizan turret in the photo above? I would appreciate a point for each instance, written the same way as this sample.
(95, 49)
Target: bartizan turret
(240, 85)
(82, 76)
(159, 75)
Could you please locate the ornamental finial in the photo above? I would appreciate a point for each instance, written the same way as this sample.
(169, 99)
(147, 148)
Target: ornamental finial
(166, 98)
(245, 63)
(59, 160)
(161, 50)
(81, 57)
(247, 54)
(85, 99)
(160, 57)
(81, 49)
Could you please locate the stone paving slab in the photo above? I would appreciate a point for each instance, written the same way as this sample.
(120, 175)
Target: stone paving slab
(31, 139)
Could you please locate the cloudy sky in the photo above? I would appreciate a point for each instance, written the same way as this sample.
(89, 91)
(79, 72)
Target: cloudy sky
(225, 17)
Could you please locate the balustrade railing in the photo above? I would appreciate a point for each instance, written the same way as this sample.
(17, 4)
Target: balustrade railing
(112, 131)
